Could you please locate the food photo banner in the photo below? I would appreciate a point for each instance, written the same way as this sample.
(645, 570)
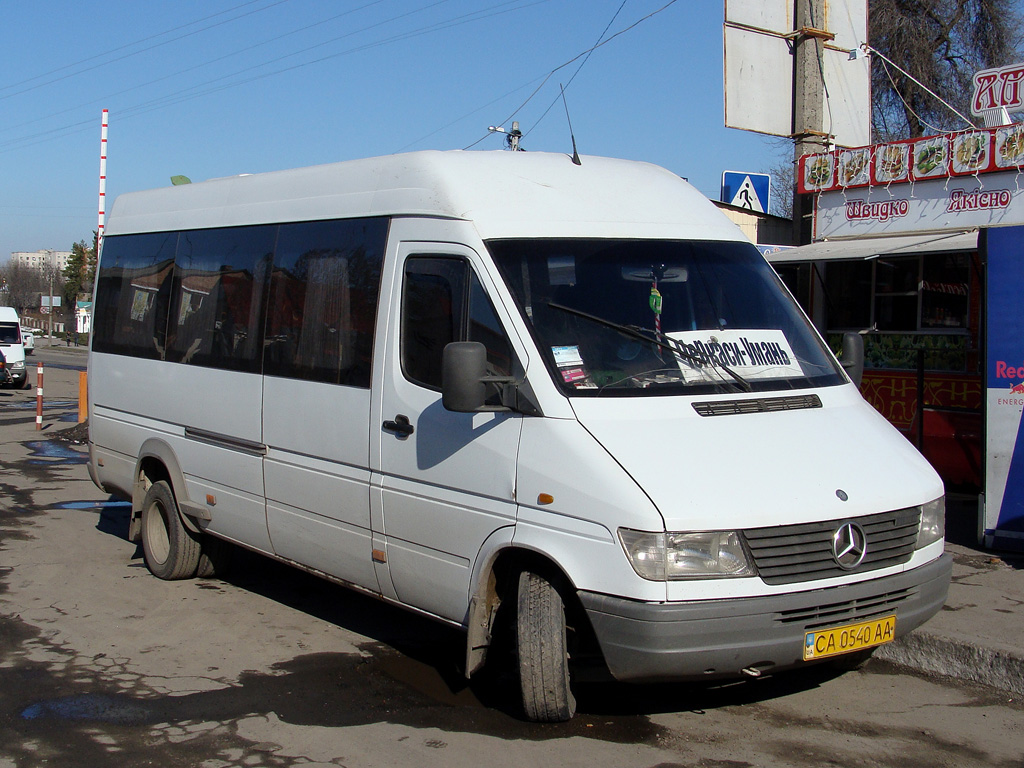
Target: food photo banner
(968, 153)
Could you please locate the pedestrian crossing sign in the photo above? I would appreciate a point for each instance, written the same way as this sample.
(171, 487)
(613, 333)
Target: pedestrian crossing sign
(747, 190)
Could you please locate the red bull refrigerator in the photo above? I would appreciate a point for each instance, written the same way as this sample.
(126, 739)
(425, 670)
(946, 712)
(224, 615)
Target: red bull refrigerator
(1002, 520)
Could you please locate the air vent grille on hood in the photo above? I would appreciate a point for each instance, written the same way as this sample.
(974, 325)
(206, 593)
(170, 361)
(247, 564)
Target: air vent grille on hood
(759, 405)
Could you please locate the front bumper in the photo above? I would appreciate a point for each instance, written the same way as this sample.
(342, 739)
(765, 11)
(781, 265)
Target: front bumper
(712, 639)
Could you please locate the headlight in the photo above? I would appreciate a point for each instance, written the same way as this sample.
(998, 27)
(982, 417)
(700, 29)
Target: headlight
(669, 556)
(18, 366)
(933, 522)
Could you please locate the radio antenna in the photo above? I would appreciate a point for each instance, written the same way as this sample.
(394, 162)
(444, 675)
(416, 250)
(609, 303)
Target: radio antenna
(575, 154)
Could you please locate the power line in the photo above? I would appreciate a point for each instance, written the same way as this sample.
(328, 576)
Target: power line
(134, 53)
(210, 87)
(190, 93)
(578, 56)
(582, 64)
(178, 73)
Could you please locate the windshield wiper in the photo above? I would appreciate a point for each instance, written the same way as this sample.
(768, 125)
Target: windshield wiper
(651, 337)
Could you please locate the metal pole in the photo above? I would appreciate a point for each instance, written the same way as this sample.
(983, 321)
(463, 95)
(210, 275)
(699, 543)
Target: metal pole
(103, 180)
(39, 396)
(50, 333)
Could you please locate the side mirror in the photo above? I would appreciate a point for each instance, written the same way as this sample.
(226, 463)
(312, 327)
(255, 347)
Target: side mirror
(853, 356)
(463, 368)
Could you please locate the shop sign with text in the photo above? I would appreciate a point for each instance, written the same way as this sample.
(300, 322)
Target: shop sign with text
(946, 203)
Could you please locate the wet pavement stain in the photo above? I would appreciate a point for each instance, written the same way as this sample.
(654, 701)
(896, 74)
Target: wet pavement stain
(31, 405)
(94, 505)
(88, 706)
(53, 452)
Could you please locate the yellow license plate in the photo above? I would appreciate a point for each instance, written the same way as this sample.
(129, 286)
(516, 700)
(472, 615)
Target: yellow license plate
(849, 638)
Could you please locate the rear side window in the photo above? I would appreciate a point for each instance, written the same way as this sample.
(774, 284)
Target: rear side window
(443, 301)
(293, 300)
(220, 280)
(323, 300)
(133, 293)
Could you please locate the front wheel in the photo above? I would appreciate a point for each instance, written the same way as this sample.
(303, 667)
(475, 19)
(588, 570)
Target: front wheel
(543, 651)
(170, 549)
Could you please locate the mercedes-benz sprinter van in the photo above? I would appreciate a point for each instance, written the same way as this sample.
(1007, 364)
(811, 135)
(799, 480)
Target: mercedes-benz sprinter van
(568, 406)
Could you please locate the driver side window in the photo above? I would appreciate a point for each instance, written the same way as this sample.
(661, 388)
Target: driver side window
(443, 301)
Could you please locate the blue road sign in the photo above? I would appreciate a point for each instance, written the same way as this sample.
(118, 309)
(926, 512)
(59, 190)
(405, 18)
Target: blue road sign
(747, 190)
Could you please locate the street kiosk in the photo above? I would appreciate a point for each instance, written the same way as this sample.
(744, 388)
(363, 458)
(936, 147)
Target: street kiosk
(919, 245)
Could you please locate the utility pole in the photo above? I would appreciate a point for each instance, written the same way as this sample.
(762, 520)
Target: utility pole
(50, 271)
(809, 134)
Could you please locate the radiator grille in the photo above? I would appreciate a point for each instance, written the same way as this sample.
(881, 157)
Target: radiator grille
(794, 553)
(757, 405)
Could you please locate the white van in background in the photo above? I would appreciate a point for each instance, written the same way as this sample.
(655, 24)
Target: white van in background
(567, 406)
(12, 346)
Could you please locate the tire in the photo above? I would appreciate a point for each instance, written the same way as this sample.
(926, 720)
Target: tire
(542, 651)
(171, 550)
(215, 557)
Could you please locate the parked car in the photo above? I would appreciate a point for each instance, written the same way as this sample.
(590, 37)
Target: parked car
(28, 339)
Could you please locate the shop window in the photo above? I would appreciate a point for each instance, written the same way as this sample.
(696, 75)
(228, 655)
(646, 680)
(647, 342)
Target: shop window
(848, 291)
(914, 304)
(945, 292)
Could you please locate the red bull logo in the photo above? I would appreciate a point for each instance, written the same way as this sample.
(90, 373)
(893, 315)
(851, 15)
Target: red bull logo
(1017, 389)
(1004, 371)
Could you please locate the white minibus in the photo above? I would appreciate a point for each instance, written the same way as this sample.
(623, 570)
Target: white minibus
(13, 347)
(562, 406)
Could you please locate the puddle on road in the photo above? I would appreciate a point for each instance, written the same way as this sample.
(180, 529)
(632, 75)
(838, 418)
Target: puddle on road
(98, 505)
(52, 452)
(89, 706)
(48, 405)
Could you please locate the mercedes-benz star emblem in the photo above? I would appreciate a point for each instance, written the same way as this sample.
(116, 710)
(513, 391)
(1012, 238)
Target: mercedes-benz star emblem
(849, 545)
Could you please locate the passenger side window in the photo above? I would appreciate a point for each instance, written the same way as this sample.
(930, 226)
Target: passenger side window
(443, 301)
(133, 289)
(323, 300)
(220, 279)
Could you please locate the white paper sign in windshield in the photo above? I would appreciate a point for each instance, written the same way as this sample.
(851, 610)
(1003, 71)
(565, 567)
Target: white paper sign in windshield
(753, 354)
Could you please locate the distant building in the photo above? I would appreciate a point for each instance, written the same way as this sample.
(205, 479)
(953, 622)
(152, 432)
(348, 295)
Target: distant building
(39, 260)
(760, 228)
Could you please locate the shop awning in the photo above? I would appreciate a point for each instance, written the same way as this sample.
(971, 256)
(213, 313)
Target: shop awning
(869, 247)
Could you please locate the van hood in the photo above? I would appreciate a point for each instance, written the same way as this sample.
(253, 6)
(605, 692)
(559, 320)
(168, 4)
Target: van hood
(751, 470)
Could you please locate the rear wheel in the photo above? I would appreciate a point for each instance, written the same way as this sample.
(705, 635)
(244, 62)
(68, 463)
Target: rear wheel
(543, 651)
(170, 549)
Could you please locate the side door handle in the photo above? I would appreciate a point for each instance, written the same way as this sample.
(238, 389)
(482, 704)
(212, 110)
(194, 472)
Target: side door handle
(400, 426)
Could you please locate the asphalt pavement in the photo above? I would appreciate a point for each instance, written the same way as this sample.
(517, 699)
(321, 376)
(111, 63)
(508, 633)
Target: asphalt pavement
(977, 637)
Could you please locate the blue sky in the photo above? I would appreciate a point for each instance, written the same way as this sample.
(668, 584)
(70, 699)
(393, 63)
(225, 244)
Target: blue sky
(210, 88)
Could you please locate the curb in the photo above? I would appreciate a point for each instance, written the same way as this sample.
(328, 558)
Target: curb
(934, 654)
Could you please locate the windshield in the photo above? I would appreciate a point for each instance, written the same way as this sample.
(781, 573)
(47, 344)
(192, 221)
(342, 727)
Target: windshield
(716, 316)
(9, 333)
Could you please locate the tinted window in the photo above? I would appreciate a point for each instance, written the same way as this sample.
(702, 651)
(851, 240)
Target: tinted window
(443, 301)
(323, 300)
(219, 284)
(132, 294)
(9, 333)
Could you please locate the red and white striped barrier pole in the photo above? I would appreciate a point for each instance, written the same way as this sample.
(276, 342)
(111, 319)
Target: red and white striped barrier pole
(103, 180)
(39, 396)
